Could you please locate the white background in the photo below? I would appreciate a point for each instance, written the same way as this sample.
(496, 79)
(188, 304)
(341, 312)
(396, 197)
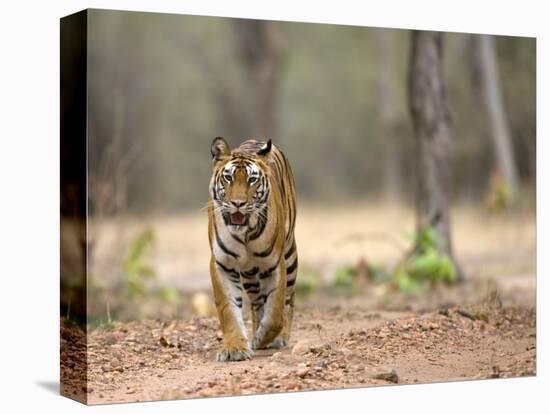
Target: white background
(29, 194)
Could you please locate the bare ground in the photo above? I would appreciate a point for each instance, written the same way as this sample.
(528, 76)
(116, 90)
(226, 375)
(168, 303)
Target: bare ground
(333, 347)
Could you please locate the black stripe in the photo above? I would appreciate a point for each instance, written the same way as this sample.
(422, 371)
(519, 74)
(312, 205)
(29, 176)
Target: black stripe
(291, 282)
(292, 267)
(260, 226)
(280, 174)
(292, 221)
(234, 279)
(237, 238)
(285, 161)
(238, 286)
(290, 251)
(215, 189)
(250, 273)
(268, 251)
(290, 300)
(250, 285)
(260, 300)
(226, 218)
(231, 274)
(292, 218)
(264, 189)
(223, 246)
(269, 293)
(217, 185)
(268, 272)
(281, 179)
(227, 269)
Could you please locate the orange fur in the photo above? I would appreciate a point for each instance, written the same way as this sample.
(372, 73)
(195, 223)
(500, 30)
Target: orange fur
(251, 219)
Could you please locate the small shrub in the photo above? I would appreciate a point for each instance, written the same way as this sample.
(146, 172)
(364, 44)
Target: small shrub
(377, 274)
(499, 197)
(168, 295)
(136, 265)
(307, 282)
(343, 283)
(425, 265)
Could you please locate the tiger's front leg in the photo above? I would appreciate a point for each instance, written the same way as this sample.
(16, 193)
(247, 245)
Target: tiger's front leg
(268, 319)
(228, 299)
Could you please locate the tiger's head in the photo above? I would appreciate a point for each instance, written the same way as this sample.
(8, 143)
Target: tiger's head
(240, 186)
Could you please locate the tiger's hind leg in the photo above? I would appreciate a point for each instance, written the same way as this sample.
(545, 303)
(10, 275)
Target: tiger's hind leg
(257, 311)
(289, 314)
(270, 316)
(291, 263)
(282, 340)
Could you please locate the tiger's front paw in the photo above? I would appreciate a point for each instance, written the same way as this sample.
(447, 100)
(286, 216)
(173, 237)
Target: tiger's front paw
(227, 354)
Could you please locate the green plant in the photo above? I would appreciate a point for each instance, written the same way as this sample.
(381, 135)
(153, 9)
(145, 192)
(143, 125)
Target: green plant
(136, 265)
(425, 265)
(499, 197)
(350, 280)
(343, 283)
(168, 295)
(307, 282)
(378, 274)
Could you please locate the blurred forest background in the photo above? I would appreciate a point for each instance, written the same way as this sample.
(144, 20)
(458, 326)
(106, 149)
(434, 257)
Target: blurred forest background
(334, 98)
(165, 85)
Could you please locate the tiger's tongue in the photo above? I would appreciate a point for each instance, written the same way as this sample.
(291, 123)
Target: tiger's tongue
(237, 218)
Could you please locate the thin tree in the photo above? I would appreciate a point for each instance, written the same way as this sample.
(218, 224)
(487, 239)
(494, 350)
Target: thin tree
(261, 47)
(492, 94)
(431, 121)
(389, 112)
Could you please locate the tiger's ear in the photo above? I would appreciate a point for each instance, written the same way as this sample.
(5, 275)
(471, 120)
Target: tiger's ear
(219, 149)
(265, 149)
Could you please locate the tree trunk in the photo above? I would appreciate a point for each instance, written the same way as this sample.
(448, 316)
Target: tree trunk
(389, 114)
(500, 132)
(261, 47)
(431, 121)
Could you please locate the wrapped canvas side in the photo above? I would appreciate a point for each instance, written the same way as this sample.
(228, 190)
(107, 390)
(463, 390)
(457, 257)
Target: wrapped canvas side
(73, 191)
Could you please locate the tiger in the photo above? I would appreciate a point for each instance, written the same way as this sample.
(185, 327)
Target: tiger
(251, 220)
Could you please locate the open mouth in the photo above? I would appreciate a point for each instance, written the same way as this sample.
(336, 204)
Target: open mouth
(238, 219)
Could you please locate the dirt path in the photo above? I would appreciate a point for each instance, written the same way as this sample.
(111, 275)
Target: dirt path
(332, 348)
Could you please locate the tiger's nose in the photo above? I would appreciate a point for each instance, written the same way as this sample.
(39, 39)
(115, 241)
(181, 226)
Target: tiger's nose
(238, 203)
